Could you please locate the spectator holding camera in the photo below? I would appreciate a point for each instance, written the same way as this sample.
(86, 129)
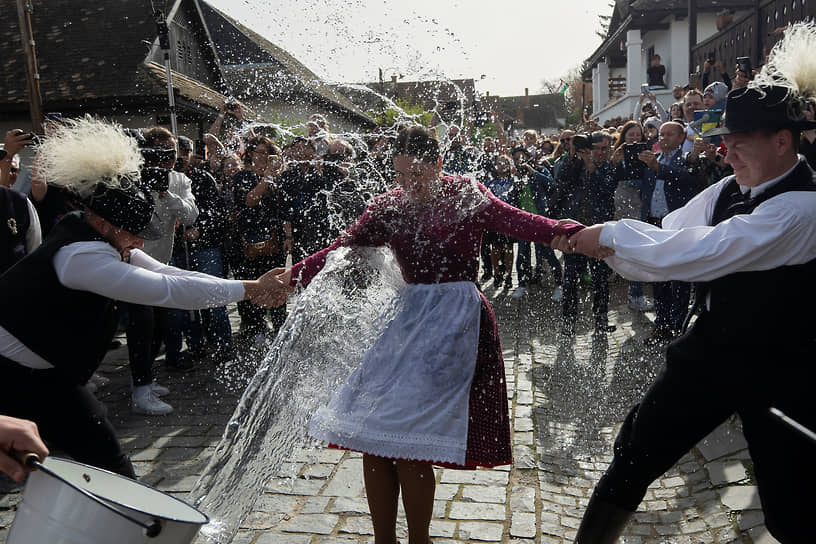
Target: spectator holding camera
(20, 230)
(714, 71)
(743, 73)
(457, 159)
(693, 102)
(670, 179)
(503, 186)
(648, 106)
(265, 238)
(629, 175)
(318, 129)
(15, 140)
(147, 325)
(199, 247)
(584, 190)
(533, 189)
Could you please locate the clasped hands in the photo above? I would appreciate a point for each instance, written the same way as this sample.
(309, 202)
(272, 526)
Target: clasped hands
(272, 289)
(586, 241)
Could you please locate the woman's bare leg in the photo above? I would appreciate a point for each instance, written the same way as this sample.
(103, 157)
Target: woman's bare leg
(382, 490)
(418, 485)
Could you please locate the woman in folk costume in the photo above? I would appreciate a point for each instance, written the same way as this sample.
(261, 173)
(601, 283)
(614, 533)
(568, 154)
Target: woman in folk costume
(431, 390)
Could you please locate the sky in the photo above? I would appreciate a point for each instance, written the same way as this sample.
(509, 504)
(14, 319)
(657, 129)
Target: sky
(505, 46)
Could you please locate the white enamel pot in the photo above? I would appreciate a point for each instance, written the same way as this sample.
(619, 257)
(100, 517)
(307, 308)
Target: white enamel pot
(66, 502)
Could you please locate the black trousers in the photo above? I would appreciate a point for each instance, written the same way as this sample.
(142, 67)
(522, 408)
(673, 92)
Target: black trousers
(69, 418)
(671, 304)
(703, 382)
(253, 318)
(146, 329)
(574, 266)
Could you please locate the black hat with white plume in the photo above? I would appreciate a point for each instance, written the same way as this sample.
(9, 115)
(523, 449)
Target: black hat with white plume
(777, 97)
(99, 163)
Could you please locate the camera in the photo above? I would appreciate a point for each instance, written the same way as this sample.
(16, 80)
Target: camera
(631, 151)
(154, 155)
(644, 89)
(155, 179)
(744, 65)
(29, 136)
(581, 142)
(231, 105)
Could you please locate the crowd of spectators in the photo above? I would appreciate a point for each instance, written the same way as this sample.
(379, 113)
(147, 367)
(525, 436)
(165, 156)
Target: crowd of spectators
(243, 200)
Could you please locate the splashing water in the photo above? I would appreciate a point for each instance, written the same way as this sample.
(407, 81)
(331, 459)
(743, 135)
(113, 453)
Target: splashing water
(331, 326)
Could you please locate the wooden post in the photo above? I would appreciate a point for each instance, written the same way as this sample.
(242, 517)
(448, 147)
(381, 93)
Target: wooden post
(759, 40)
(692, 32)
(24, 9)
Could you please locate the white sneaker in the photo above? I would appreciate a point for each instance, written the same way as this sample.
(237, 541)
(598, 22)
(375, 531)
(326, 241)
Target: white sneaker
(519, 292)
(146, 402)
(158, 389)
(640, 304)
(558, 294)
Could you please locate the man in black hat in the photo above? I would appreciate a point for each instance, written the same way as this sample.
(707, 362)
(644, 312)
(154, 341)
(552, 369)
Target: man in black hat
(56, 304)
(750, 242)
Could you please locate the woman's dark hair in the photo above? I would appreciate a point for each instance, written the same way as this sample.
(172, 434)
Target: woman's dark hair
(253, 143)
(629, 125)
(419, 142)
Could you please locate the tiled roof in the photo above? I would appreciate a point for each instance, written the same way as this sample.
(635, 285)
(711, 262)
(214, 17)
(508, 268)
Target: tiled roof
(85, 50)
(255, 66)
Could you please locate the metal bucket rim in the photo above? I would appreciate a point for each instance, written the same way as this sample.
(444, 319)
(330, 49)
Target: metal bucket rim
(129, 481)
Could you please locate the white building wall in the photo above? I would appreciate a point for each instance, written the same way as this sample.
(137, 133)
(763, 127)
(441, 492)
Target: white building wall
(672, 46)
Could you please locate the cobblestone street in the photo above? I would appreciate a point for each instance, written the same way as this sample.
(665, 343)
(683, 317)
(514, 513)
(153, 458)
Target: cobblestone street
(567, 399)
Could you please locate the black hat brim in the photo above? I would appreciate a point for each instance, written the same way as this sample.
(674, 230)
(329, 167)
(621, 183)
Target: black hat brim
(722, 131)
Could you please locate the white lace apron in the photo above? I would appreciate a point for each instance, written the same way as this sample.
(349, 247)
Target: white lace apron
(409, 397)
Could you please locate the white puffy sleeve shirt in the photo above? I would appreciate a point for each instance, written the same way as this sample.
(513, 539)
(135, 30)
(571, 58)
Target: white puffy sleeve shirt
(781, 231)
(98, 268)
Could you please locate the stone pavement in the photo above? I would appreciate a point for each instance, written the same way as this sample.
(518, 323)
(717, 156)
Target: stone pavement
(567, 402)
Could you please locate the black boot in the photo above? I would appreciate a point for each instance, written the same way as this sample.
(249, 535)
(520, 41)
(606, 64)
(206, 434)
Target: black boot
(603, 522)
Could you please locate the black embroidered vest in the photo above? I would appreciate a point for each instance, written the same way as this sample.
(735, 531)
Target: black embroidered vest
(69, 328)
(14, 226)
(766, 306)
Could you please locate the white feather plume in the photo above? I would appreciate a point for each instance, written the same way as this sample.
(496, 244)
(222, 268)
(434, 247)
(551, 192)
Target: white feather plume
(84, 152)
(792, 62)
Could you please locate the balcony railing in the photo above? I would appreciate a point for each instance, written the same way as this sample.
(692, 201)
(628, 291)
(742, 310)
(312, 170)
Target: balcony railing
(754, 34)
(617, 86)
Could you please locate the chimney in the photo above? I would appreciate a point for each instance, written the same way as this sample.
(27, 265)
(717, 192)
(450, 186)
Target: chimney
(526, 97)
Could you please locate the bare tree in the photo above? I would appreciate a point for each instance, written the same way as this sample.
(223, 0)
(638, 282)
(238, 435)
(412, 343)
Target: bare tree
(572, 97)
